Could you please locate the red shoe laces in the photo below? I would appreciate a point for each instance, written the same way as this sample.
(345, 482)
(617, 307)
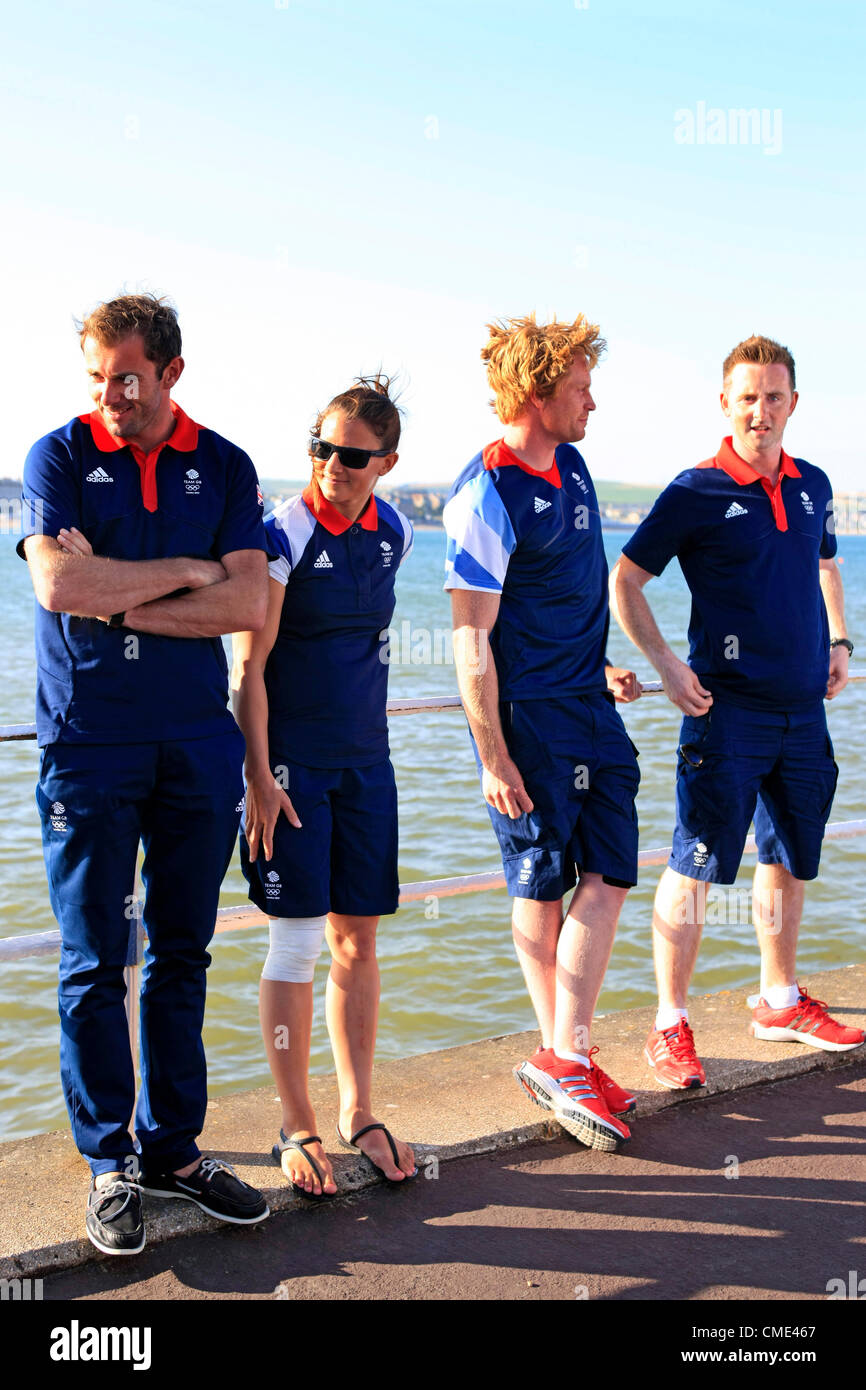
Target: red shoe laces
(680, 1041)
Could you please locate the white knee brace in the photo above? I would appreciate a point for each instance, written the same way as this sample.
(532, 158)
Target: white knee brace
(296, 943)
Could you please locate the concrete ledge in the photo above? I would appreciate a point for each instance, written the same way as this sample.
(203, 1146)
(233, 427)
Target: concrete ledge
(448, 1104)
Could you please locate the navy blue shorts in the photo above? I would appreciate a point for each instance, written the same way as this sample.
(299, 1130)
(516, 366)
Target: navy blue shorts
(344, 857)
(579, 766)
(735, 763)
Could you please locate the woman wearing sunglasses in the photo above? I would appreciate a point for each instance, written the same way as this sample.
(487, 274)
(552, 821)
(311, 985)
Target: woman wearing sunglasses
(319, 838)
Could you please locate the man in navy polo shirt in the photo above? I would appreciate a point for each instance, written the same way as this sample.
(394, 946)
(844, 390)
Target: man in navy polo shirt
(753, 531)
(145, 542)
(528, 581)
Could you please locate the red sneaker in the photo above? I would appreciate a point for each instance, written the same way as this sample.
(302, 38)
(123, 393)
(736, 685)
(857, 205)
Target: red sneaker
(807, 1021)
(576, 1099)
(671, 1054)
(618, 1101)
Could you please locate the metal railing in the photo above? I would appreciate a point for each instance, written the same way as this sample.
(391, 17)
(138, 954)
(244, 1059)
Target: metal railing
(46, 943)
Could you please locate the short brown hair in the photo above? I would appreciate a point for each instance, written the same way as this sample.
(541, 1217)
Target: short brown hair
(368, 400)
(760, 352)
(524, 357)
(154, 319)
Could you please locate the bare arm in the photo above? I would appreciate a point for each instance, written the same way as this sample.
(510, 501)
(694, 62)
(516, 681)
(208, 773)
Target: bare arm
(236, 604)
(834, 602)
(265, 799)
(632, 612)
(474, 615)
(91, 586)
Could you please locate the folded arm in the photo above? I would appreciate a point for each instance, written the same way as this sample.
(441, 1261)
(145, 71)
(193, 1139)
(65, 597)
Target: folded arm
(237, 602)
(91, 586)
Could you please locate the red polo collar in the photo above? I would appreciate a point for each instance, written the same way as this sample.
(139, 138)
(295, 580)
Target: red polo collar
(498, 455)
(332, 520)
(184, 437)
(742, 473)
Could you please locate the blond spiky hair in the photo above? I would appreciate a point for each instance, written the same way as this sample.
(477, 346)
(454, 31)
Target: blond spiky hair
(524, 357)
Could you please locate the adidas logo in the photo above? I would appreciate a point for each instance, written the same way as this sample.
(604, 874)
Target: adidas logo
(736, 510)
(324, 562)
(99, 475)
(541, 506)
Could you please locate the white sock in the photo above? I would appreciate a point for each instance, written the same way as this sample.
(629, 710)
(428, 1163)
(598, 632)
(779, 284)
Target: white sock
(670, 1017)
(573, 1057)
(782, 996)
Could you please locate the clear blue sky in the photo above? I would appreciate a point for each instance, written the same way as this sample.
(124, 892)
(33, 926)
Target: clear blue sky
(323, 187)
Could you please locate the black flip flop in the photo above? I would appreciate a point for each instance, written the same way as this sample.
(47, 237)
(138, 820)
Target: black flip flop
(352, 1145)
(300, 1144)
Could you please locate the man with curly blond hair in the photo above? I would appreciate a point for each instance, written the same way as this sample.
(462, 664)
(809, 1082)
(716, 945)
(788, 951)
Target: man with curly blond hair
(528, 581)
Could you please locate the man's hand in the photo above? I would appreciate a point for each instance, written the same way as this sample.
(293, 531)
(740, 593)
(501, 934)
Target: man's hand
(73, 541)
(504, 790)
(623, 685)
(683, 688)
(838, 671)
(265, 800)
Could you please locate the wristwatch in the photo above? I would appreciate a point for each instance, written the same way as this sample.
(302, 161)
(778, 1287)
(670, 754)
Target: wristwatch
(842, 642)
(116, 620)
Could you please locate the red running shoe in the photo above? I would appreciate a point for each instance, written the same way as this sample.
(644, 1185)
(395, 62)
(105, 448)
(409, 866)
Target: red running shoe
(618, 1101)
(807, 1021)
(575, 1097)
(671, 1054)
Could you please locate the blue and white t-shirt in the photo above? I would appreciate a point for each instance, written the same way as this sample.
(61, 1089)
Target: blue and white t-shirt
(327, 674)
(535, 538)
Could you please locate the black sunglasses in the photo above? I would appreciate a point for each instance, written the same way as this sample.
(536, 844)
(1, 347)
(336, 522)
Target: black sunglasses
(349, 458)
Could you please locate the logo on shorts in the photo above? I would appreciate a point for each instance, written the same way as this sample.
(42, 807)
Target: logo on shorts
(525, 871)
(58, 816)
(807, 504)
(580, 483)
(324, 562)
(273, 887)
(99, 475)
(701, 854)
(192, 481)
(387, 554)
(541, 505)
(240, 806)
(736, 510)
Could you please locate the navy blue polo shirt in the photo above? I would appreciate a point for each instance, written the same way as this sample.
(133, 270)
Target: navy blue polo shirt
(749, 553)
(327, 674)
(196, 494)
(535, 538)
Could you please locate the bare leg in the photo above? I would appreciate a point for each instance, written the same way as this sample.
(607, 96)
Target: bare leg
(777, 907)
(352, 1010)
(678, 920)
(286, 1016)
(582, 955)
(535, 927)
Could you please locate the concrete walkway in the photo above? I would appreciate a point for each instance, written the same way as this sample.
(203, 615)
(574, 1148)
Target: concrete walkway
(463, 1102)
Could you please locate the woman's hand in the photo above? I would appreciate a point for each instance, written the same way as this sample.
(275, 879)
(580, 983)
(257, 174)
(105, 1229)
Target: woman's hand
(265, 800)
